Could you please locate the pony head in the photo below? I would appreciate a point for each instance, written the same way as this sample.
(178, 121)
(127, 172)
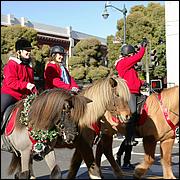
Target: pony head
(55, 106)
(110, 93)
(66, 126)
(119, 106)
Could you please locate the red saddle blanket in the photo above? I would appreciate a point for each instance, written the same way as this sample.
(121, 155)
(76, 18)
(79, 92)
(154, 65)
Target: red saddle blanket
(11, 123)
(143, 115)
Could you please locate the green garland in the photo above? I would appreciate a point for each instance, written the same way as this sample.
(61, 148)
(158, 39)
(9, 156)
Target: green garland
(39, 135)
(44, 135)
(24, 113)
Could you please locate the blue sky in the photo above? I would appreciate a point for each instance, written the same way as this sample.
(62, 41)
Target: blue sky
(83, 16)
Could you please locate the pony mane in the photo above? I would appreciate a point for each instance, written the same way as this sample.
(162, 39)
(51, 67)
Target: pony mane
(46, 109)
(123, 89)
(100, 92)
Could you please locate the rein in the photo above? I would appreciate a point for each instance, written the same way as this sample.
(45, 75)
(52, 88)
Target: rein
(174, 112)
(165, 113)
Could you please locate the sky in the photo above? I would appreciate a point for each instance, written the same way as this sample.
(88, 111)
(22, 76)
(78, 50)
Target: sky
(82, 16)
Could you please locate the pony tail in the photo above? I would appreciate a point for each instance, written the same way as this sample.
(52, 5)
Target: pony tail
(14, 164)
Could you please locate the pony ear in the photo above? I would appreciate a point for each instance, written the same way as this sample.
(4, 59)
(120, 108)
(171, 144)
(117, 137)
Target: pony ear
(88, 100)
(70, 103)
(113, 82)
(111, 73)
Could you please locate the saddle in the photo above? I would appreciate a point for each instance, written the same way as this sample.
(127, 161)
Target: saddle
(6, 118)
(140, 102)
(6, 145)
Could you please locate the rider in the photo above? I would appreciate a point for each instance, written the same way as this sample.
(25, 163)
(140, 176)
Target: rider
(126, 70)
(56, 75)
(18, 77)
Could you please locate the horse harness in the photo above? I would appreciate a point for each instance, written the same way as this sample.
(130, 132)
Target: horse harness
(165, 113)
(67, 129)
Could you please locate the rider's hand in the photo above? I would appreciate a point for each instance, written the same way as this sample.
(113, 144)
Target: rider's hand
(144, 42)
(75, 89)
(34, 90)
(146, 84)
(30, 86)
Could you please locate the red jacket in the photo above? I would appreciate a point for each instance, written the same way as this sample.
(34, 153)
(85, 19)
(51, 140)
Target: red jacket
(16, 76)
(125, 68)
(52, 76)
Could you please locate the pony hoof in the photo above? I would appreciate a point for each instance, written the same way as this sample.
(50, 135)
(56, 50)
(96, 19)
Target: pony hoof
(32, 177)
(56, 173)
(94, 172)
(22, 175)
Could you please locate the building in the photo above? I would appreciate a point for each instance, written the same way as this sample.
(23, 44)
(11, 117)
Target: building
(51, 35)
(172, 42)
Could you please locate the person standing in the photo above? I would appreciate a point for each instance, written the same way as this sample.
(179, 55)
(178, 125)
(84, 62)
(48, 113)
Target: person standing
(56, 75)
(126, 150)
(18, 77)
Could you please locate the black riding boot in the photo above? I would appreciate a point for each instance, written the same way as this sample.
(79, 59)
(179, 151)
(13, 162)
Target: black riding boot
(120, 152)
(130, 131)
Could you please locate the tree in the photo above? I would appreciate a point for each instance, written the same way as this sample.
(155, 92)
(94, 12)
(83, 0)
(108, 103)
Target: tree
(86, 63)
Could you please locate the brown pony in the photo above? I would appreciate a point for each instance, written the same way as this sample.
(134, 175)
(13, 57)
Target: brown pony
(117, 104)
(155, 128)
(110, 94)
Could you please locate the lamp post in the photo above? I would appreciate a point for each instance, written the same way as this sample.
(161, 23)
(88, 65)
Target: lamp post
(124, 11)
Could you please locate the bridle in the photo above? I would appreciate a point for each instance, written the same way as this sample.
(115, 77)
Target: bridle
(118, 117)
(68, 133)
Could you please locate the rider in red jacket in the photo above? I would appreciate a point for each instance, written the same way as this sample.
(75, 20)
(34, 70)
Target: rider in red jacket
(55, 74)
(18, 76)
(126, 70)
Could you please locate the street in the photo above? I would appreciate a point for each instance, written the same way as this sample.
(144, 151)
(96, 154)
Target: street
(64, 155)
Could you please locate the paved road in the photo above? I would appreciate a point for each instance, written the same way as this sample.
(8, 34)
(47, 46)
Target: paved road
(64, 155)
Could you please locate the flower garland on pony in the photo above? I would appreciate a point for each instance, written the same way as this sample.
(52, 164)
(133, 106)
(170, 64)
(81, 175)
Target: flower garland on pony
(39, 137)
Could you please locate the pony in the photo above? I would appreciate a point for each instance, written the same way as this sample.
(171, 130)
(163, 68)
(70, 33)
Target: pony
(47, 111)
(157, 122)
(109, 93)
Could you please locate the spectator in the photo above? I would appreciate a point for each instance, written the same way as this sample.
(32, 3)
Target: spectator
(126, 150)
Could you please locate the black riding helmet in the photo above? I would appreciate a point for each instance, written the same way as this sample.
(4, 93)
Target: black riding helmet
(57, 49)
(22, 44)
(127, 49)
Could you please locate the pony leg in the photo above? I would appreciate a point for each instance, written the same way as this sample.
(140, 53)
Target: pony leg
(25, 164)
(105, 146)
(166, 158)
(31, 169)
(54, 168)
(149, 149)
(85, 148)
(75, 165)
(25, 160)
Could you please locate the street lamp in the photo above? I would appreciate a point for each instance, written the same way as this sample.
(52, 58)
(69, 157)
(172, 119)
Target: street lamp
(124, 11)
